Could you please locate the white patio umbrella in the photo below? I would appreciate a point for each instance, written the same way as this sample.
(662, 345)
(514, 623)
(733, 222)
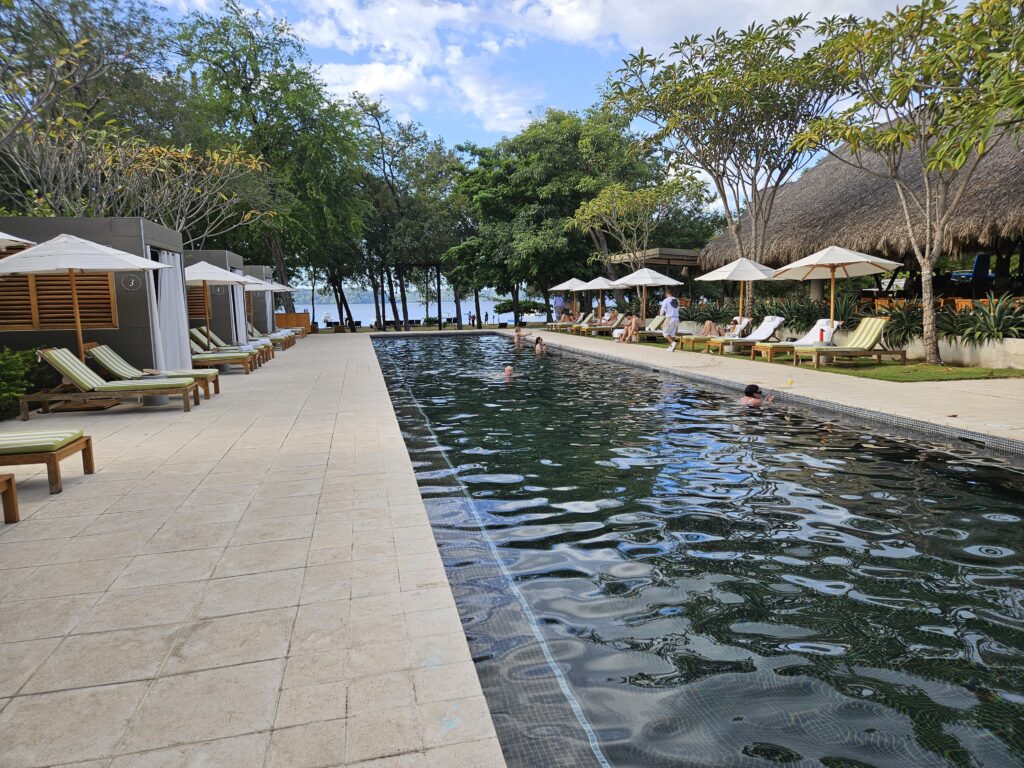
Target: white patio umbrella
(10, 241)
(599, 284)
(742, 271)
(73, 256)
(205, 274)
(569, 285)
(835, 262)
(644, 278)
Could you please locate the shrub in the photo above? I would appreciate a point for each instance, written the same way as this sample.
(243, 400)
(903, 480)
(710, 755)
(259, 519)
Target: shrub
(21, 372)
(906, 323)
(999, 319)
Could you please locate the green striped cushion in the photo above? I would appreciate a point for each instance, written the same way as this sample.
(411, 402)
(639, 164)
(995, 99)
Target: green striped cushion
(71, 367)
(121, 386)
(193, 373)
(36, 442)
(114, 363)
(868, 333)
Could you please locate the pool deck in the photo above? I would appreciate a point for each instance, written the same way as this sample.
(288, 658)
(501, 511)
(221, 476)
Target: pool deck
(254, 583)
(988, 409)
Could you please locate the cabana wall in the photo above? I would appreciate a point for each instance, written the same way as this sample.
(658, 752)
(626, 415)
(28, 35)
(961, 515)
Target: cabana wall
(224, 299)
(119, 311)
(261, 302)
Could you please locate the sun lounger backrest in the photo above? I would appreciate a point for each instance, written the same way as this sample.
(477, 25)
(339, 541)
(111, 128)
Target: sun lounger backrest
(217, 341)
(196, 349)
(867, 334)
(767, 328)
(114, 363)
(741, 325)
(586, 319)
(72, 368)
(656, 323)
(198, 339)
(813, 336)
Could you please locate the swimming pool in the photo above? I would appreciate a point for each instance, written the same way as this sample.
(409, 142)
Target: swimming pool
(650, 575)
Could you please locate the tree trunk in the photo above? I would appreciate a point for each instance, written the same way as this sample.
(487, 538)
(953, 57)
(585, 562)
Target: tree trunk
(376, 306)
(440, 320)
(383, 301)
(405, 301)
(458, 306)
(476, 303)
(333, 284)
(930, 338)
(348, 309)
(282, 273)
(391, 294)
(547, 305)
(515, 304)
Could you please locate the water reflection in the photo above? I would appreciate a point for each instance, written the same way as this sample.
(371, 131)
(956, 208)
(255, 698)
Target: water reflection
(733, 587)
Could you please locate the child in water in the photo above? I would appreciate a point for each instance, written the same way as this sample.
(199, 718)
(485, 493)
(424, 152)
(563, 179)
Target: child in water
(538, 345)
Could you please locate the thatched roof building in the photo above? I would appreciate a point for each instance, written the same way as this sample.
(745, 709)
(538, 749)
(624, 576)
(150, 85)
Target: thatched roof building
(834, 203)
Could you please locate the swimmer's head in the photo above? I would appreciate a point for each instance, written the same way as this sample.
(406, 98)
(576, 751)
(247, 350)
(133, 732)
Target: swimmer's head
(508, 370)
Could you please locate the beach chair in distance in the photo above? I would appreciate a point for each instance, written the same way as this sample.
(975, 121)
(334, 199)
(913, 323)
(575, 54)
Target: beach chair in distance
(107, 359)
(556, 326)
(765, 331)
(49, 448)
(652, 329)
(280, 339)
(216, 344)
(596, 330)
(865, 341)
(820, 335)
(81, 384)
(248, 361)
(740, 325)
(584, 322)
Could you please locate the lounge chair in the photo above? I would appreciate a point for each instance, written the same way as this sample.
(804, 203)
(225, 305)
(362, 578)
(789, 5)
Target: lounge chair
(586, 321)
(652, 329)
(597, 329)
(280, 339)
(556, 326)
(49, 448)
(740, 324)
(215, 344)
(863, 342)
(9, 499)
(819, 335)
(117, 366)
(249, 361)
(765, 331)
(82, 384)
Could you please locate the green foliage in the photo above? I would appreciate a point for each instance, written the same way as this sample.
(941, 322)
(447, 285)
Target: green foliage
(906, 323)
(1000, 318)
(526, 307)
(20, 373)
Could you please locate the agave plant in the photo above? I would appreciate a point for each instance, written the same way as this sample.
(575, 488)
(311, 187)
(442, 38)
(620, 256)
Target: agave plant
(906, 323)
(994, 320)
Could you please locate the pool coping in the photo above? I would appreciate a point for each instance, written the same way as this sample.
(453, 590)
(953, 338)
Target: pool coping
(1003, 449)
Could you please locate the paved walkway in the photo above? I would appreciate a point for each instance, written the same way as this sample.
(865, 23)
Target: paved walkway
(252, 584)
(991, 407)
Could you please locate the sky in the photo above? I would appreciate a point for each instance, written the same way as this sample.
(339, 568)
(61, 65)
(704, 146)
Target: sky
(477, 70)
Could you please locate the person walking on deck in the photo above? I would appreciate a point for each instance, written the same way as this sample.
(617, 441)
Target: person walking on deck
(670, 309)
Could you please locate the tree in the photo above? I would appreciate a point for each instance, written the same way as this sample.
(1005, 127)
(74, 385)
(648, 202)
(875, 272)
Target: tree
(911, 80)
(731, 106)
(631, 216)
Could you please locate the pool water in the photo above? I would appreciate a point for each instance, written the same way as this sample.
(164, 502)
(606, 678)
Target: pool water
(710, 585)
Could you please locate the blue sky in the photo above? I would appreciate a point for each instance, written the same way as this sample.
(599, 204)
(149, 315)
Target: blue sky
(475, 70)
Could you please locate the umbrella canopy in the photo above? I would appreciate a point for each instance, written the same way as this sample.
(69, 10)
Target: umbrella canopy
(204, 273)
(10, 241)
(278, 288)
(569, 285)
(67, 254)
(835, 262)
(644, 278)
(71, 256)
(259, 285)
(742, 271)
(599, 284)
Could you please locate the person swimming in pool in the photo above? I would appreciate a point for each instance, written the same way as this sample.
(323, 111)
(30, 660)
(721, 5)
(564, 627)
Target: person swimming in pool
(538, 345)
(753, 397)
(508, 373)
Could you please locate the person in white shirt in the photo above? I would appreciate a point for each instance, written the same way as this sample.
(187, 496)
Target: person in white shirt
(670, 309)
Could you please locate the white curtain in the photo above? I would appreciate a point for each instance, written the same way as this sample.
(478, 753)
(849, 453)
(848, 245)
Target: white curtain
(238, 313)
(156, 335)
(268, 306)
(173, 314)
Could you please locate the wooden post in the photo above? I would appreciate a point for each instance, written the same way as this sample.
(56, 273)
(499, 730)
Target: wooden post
(643, 307)
(832, 301)
(78, 317)
(206, 311)
(440, 320)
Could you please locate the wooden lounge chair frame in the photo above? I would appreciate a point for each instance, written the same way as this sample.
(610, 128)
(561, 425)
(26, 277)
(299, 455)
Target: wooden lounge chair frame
(771, 349)
(69, 392)
(693, 339)
(52, 460)
(226, 358)
(834, 352)
(596, 329)
(9, 499)
(281, 342)
(198, 335)
(719, 343)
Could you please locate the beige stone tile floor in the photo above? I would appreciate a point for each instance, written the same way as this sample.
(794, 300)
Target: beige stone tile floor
(991, 407)
(254, 583)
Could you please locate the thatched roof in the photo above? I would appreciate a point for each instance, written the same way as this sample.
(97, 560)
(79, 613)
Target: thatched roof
(834, 203)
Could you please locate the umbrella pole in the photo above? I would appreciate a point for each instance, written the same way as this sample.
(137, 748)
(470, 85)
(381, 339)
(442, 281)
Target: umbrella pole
(832, 301)
(742, 286)
(643, 307)
(206, 310)
(78, 316)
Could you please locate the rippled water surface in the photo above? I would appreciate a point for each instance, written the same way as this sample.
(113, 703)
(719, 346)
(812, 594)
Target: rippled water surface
(724, 586)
